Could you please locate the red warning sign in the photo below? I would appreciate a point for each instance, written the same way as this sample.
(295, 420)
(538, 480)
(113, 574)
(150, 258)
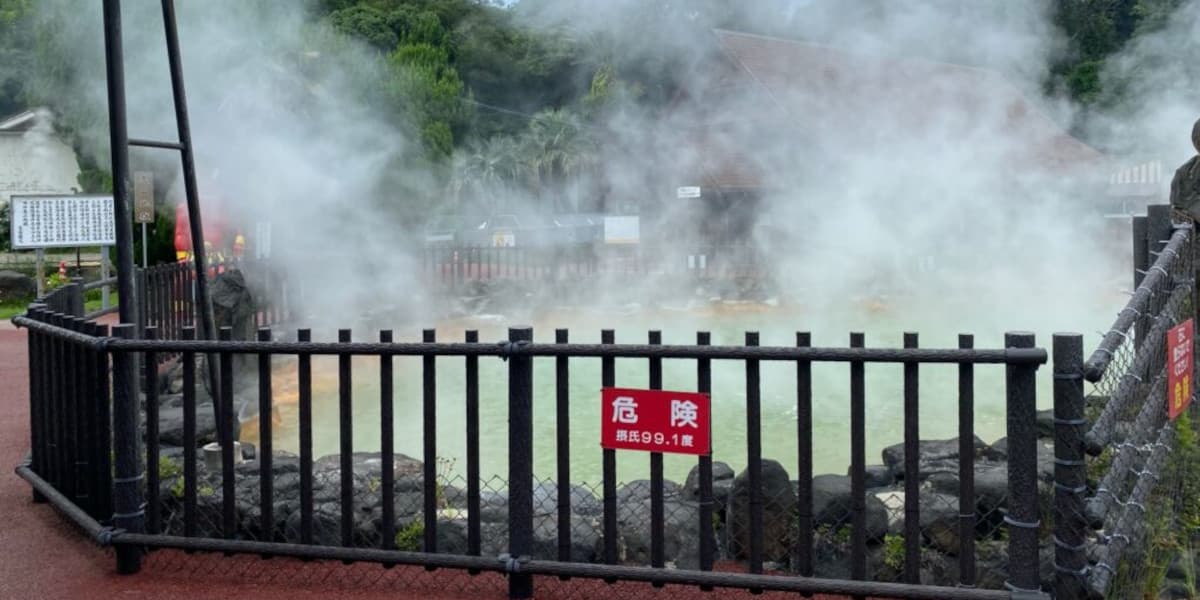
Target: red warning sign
(1180, 367)
(655, 421)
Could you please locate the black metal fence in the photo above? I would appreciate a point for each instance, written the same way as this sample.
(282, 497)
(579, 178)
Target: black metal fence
(453, 266)
(168, 294)
(102, 455)
(233, 507)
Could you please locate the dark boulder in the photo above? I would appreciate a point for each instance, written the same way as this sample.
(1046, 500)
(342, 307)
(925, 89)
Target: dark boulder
(778, 511)
(832, 506)
(1045, 423)
(722, 483)
(939, 521)
(929, 451)
(582, 500)
(680, 521)
(998, 450)
(585, 546)
(990, 482)
(170, 424)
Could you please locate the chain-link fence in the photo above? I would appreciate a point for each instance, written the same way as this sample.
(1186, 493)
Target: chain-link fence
(1126, 525)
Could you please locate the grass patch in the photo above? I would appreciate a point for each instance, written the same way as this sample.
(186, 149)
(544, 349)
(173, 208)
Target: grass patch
(92, 302)
(12, 308)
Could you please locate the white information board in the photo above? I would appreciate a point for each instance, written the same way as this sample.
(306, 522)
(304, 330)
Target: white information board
(621, 230)
(687, 191)
(62, 221)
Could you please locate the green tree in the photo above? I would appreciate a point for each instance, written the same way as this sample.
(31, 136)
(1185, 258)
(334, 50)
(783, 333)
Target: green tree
(367, 23)
(5, 226)
(427, 87)
(486, 173)
(556, 150)
(16, 54)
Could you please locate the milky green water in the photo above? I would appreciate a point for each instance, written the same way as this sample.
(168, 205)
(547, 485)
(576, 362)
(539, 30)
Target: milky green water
(882, 322)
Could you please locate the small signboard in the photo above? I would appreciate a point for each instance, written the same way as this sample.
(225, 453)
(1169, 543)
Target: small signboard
(503, 239)
(1180, 365)
(62, 221)
(688, 191)
(622, 230)
(656, 421)
(143, 197)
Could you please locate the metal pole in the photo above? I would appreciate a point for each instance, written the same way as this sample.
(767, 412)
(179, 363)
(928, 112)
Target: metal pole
(1141, 263)
(1022, 518)
(207, 322)
(520, 460)
(1070, 476)
(41, 272)
(119, 144)
(144, 261)
(127, 495)
(105, 301)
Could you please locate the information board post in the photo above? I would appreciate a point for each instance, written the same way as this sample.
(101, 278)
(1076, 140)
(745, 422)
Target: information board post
(104, 271)
(41, 272)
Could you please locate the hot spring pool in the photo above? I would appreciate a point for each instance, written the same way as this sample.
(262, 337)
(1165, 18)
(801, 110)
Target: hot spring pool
(883, 324)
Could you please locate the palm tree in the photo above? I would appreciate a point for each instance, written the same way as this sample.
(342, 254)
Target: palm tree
(487, 171)
(556, 149)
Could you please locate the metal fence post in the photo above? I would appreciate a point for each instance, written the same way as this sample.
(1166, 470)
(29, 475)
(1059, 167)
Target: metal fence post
(1141, 263)
(1158, 232)
(1022, 517)
(520, 460)
(1070, 477)
(127, 501)
(74, 293)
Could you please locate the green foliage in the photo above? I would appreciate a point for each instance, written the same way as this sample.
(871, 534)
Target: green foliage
(367, 23)
(13, 10)
(1096, 31)
(16, 54)
(168, 469)
(893, 551)
(427, 87)
(410, 537)
(1153, 15)
(1173, 514)
(5, 227)
(839, 537)
(445, 468)
(95, 180)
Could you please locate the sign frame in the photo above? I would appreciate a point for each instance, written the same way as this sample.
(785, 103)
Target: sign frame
(106, 218)
(650, 417)
(1181, 364)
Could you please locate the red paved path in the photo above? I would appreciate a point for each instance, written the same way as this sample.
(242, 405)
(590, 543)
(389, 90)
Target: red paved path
(42, 556)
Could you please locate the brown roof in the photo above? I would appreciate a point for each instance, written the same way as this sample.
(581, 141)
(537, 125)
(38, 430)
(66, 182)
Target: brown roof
(818, 86)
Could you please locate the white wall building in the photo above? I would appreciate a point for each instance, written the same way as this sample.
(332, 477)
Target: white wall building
(33, 160)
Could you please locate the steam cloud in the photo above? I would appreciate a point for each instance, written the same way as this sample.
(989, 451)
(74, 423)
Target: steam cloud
(896, 184)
